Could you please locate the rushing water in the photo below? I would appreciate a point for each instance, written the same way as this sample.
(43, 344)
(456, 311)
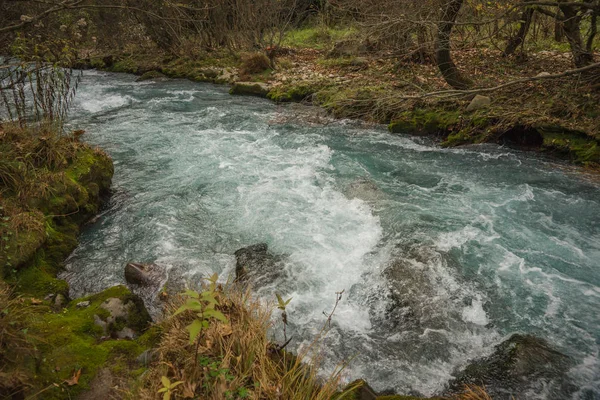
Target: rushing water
(483, 241)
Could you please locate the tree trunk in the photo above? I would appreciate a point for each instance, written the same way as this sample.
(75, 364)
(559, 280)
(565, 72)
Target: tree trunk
(571, 25)
(443, 57)
(519, 38)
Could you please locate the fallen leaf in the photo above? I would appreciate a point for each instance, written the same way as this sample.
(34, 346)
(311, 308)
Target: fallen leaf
(74, 379)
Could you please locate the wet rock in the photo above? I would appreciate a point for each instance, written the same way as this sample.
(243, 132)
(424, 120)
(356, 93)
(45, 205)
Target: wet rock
(151, 75)
(147, 281)
(360, 390)
(514, 366)
(137, 274)
(256, 264)
(364, 189)
(258, 89)
(83, 304)
(479, 102)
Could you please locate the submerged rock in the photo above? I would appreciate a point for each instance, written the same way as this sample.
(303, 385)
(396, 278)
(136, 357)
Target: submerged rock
(364, 189)
(256, 264)
(514, 366)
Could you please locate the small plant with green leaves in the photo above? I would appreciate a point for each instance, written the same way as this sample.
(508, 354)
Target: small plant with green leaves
(281, 304)
(168, 387)
(204, 305)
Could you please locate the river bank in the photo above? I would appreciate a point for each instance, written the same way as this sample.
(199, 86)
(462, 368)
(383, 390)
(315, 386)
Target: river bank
(349, 81)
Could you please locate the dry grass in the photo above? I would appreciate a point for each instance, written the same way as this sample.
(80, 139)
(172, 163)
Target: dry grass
(234, 359)
(14, 343)
(254, 63)
(472, 392)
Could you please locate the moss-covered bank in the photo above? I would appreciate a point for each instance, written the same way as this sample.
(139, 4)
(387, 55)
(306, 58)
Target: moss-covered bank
(51, 185)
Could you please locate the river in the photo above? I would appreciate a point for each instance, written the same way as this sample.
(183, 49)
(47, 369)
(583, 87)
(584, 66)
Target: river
(478, 242)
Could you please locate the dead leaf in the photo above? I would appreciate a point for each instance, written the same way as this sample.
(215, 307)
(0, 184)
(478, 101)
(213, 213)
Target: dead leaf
(189, 390)
(35, 302)
(74, 379)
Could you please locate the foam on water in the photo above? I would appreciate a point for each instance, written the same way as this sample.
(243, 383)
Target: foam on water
(441, 253)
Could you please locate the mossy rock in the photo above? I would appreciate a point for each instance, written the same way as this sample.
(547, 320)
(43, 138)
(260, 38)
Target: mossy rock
(514, 364)
(257, 89)
(422, 121)
(70, 341)
(296, 93)
(577, 146)
(151, 75)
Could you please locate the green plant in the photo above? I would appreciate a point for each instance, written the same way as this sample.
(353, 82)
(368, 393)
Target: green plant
(282, 306)
(168, 387)
(203, 304)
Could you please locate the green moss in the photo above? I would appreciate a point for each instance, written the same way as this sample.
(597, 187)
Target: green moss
(316, 37)
(295, 93)
(149, 76)
(579, 147)
(70, 340)
(127, 65)
(426, 121)
(249, 89)
(37, 281)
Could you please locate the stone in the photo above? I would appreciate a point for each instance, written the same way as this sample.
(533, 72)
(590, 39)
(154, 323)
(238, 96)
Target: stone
(256, 264)
(126, 318)
(146, 358)
(102, 387)
(361, 390)
(364, 189)
(514, 365)
(479, 102)
(136, 273)
(125, 333)
(257, 89)
(60, 301)
(151, 75)
(147, 281)
(83, 304)
(542, 74)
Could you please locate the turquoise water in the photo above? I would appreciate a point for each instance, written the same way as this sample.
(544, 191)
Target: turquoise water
(442, 253)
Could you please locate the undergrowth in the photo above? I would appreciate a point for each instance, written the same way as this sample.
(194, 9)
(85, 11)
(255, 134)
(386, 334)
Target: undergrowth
(231, 356)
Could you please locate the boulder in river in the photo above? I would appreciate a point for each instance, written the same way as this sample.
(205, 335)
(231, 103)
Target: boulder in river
(364, 189)
(146, 281)
(258, 89)
(256, 264)
(514, 366)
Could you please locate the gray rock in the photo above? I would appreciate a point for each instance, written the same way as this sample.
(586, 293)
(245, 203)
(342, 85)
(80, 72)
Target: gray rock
(126, 317)
(146, 358)
(60, 301)
(83, 304)
(364, 189)
(125, 333)
(146, 281)
(137, 274)
(479, 102)
(515, 365)
(256, 264)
